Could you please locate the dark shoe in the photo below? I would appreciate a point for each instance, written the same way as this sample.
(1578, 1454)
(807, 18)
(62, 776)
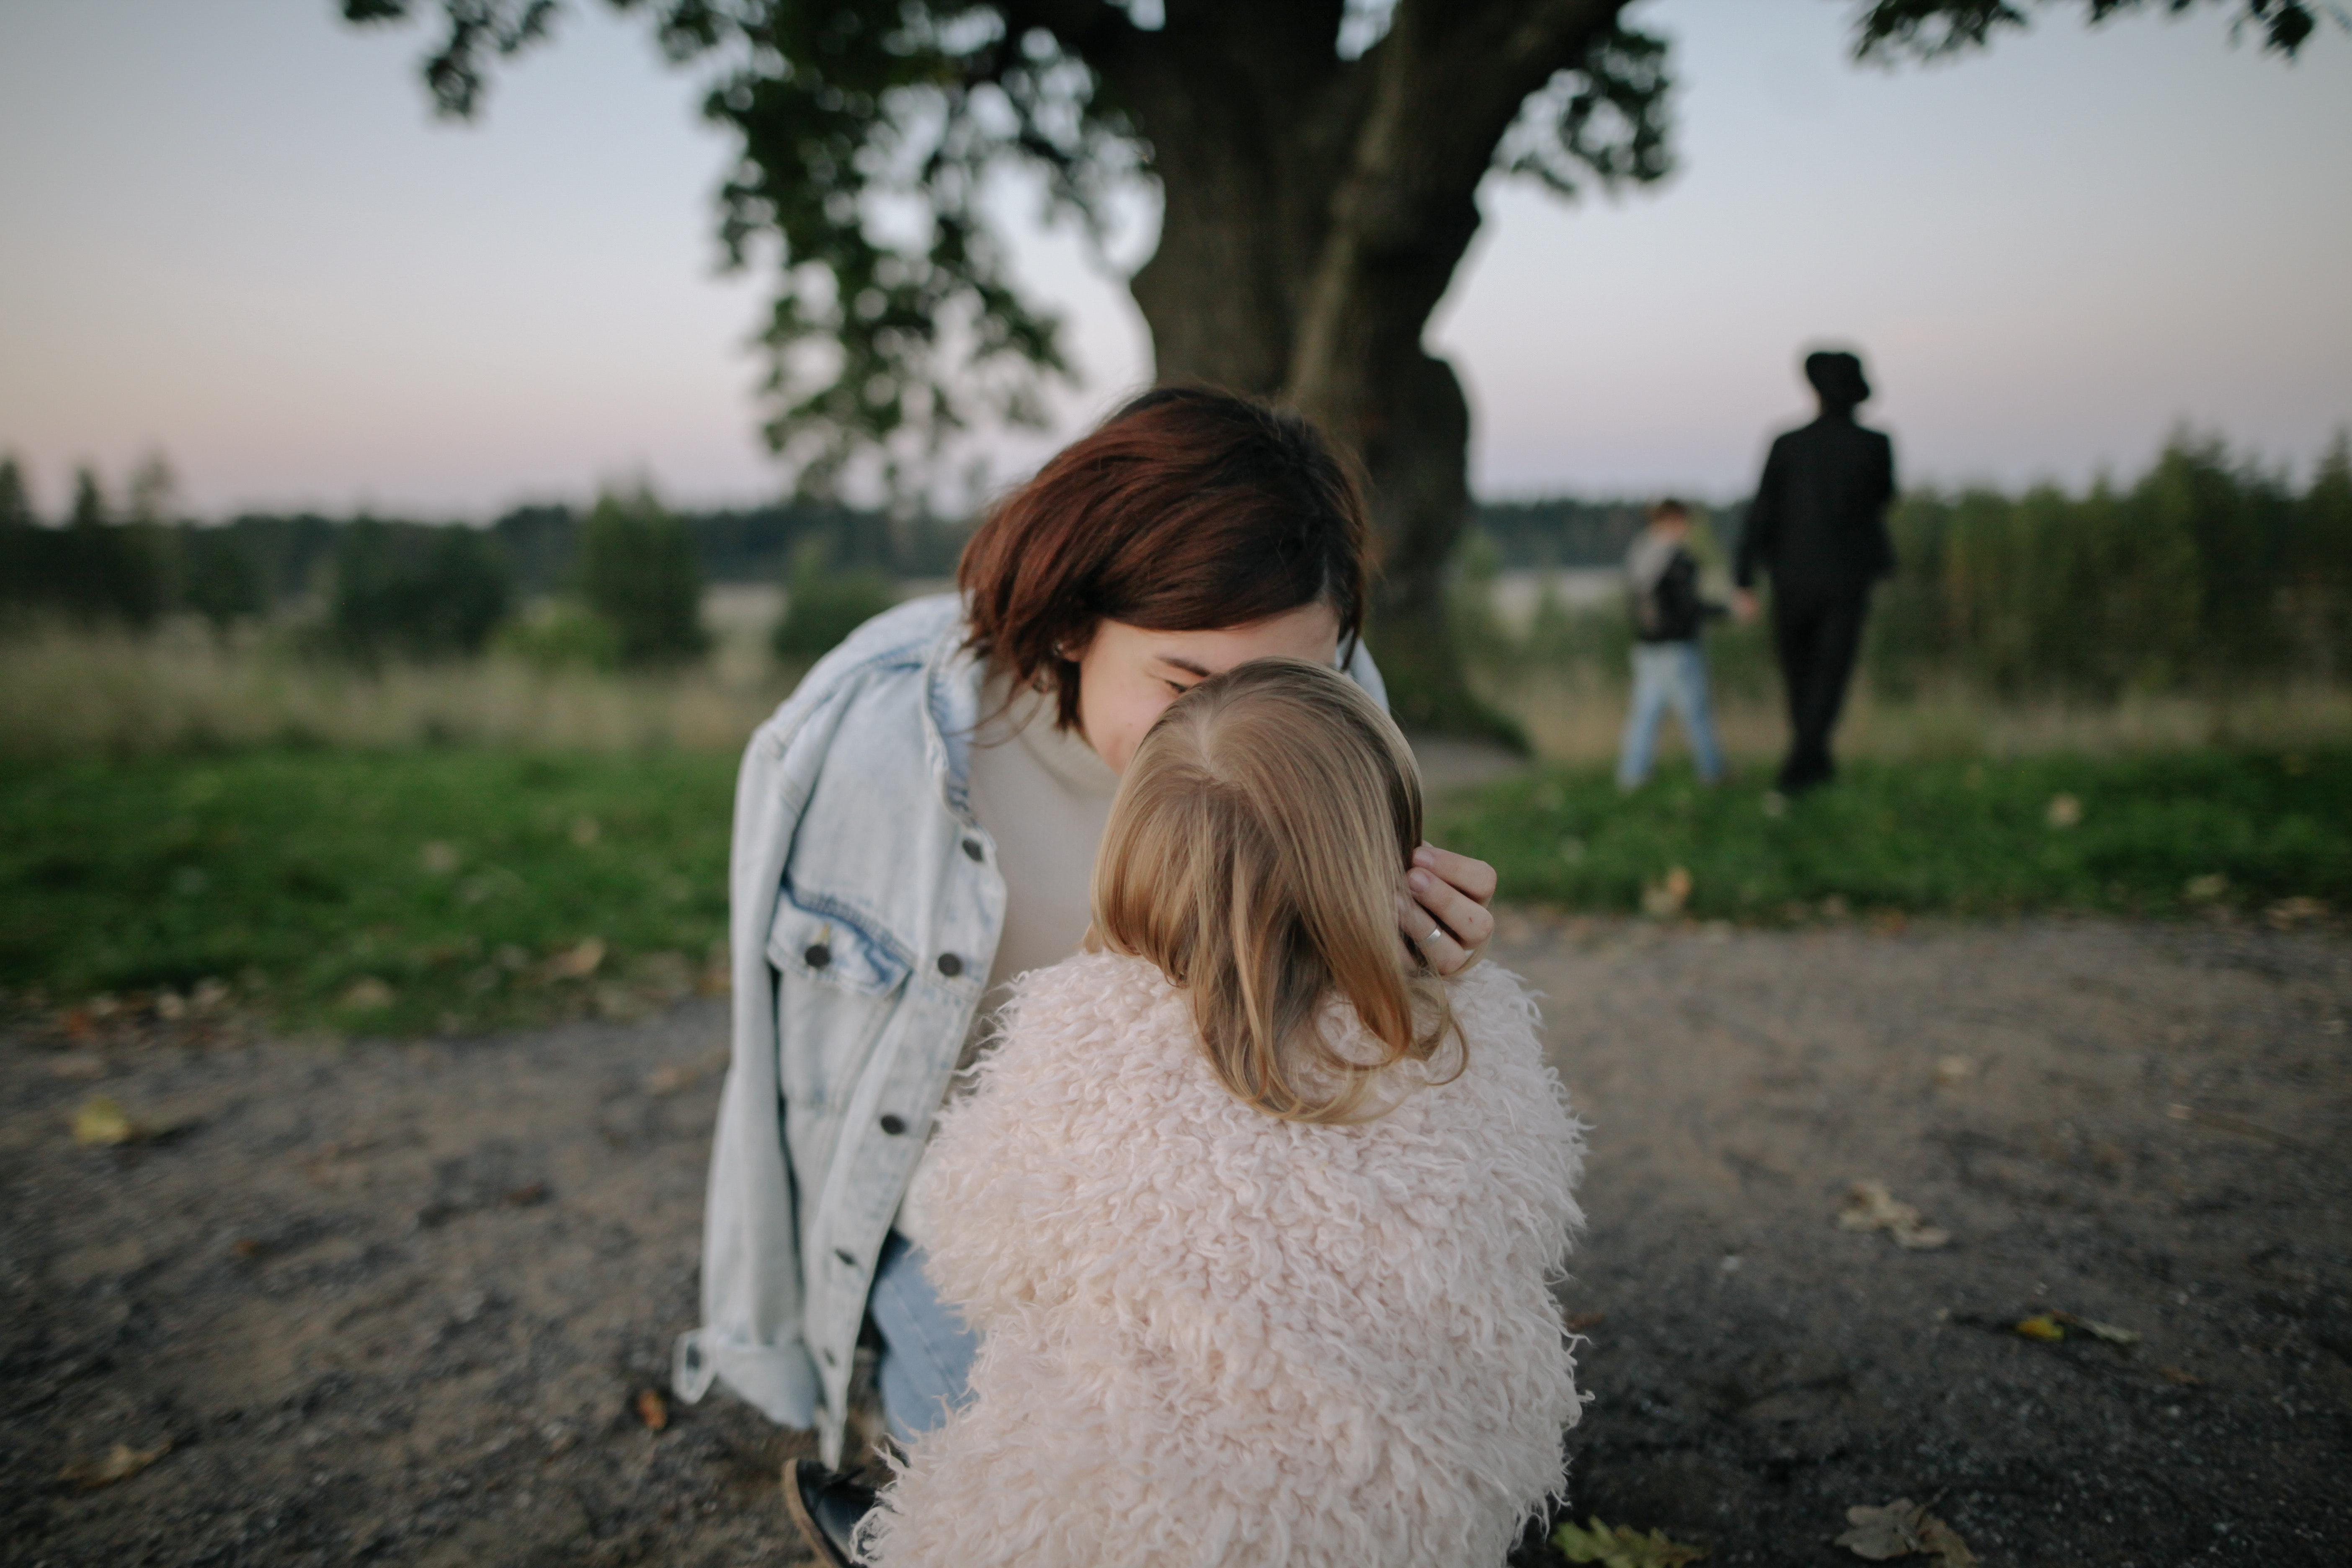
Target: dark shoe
(826, 1508)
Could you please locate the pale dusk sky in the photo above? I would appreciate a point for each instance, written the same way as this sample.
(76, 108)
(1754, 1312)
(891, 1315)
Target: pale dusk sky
(233, 231)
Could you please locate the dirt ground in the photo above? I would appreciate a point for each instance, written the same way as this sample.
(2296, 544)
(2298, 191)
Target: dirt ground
(397, 1302)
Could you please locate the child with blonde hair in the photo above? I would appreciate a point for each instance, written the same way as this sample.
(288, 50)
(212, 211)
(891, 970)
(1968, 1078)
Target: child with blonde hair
(1256, 1218)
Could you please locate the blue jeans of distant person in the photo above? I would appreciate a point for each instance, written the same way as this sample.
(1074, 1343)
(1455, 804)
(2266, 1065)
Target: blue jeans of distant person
(1668, 675)
(925, 1368)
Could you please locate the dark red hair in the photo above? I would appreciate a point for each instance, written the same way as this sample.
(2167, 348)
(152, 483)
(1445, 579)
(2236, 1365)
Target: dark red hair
(1187, 509)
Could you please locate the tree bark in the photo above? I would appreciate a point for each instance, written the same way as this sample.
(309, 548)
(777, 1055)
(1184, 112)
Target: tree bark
(1315, 211)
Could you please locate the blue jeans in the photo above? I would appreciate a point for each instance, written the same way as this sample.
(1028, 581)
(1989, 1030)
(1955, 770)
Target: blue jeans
(1669, 674)
(925, 1368)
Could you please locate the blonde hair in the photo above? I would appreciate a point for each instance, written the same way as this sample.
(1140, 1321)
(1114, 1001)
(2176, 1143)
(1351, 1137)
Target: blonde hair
(1256, 851)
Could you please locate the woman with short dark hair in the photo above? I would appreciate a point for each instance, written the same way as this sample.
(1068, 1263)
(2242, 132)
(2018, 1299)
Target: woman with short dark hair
(917, 824)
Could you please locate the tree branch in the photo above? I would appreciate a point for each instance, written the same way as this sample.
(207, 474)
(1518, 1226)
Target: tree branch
(1448, 80)
(1885, 30)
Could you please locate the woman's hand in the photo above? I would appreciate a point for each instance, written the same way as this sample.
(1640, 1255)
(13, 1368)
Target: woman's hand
(1445, 919)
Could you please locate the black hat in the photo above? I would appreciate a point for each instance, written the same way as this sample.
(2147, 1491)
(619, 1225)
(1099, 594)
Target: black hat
(1837, 376)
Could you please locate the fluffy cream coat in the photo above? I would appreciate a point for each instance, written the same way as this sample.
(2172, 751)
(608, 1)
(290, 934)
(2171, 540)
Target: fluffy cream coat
(1216, 1338)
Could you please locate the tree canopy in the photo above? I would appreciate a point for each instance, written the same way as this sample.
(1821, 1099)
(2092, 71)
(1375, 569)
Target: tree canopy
(1318, 164)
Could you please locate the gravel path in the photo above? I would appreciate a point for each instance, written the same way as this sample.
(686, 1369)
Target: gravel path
(397, 1303)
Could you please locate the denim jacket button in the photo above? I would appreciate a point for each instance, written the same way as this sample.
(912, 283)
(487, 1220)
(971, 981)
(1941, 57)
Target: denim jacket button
(894, 1124)
(951, 965)
(818, 955)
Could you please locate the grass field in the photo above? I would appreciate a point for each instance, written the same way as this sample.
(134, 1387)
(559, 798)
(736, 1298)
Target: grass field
(2157, 833)
(420, 889)
(397, 892)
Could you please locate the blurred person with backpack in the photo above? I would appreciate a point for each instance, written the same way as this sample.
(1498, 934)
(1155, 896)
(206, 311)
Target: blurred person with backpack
(1669, 663)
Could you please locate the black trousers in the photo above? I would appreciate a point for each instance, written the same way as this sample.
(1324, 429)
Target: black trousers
(1817, 633)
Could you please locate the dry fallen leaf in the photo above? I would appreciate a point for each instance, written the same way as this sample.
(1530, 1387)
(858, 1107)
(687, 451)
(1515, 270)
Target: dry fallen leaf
(366, 994)
(100, 1124)
(118, 1463)
(2098, 1330)
(1953, 1071)
(1870, 1206)
(2179, 1377)
(652, 1409)
(2063, 811)
(671, 1077)
(1903, 1529)
(2289, 913)
(1664, 899)
(577, 963)
(2204, 890)
(1583, 1321)
(1622, 1546)
(2041, 1326)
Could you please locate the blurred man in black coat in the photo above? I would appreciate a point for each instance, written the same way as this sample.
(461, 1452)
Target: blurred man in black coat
(1818, 528)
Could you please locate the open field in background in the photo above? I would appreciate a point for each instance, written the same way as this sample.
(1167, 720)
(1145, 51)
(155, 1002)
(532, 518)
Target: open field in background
(239, 825)
(1575, 717)
(68, 692)
(453, 889)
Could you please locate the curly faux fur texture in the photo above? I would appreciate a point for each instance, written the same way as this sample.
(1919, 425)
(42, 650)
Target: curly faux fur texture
(1215, 1339)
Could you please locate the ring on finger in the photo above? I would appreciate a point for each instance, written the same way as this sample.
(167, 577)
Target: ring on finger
(1434, 933)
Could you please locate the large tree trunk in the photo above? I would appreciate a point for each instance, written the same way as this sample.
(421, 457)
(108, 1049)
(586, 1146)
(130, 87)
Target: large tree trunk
(1315, 211)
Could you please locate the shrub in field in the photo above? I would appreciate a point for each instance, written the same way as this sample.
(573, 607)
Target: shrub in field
(426, 593)
(220, 579)
(822, 607)
(2319, 566)
(638, 573)
(561, 635)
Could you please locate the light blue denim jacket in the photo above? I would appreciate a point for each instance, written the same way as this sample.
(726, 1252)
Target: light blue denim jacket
(865, 905)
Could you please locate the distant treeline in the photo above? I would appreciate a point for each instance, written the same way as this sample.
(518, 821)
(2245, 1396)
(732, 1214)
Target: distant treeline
(1563, 531)
(289, 551)
(131, 562)
(628, 573)
(373, 585)
(2208, 569)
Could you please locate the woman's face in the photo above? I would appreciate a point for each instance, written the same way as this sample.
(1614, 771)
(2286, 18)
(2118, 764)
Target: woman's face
(1127, 676)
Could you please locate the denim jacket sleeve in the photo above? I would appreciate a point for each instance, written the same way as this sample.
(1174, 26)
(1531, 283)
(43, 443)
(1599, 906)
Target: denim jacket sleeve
(750, 1284)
